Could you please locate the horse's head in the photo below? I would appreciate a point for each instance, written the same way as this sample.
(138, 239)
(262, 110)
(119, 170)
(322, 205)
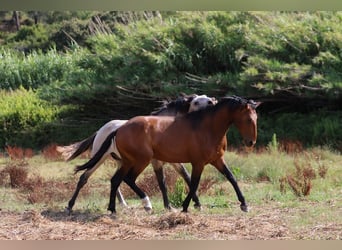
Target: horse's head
(184, 104)
(246, 122)
(200, 102)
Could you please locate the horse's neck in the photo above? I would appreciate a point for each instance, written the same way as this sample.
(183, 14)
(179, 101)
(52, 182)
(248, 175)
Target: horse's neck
(222, 120)
(171, 112)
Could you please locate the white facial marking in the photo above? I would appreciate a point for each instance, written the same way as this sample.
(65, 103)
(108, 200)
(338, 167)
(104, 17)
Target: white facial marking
(200, 102)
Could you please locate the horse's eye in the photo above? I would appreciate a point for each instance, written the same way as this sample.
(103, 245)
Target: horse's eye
(196, 103)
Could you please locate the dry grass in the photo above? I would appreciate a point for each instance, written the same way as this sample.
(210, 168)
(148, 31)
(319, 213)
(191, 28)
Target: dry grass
(148, 183)
(291, 146)
(35, 188)
(300, 180)
(41, 195)
(264, 223)
(15, 173)
(50, 153)
(17, 153)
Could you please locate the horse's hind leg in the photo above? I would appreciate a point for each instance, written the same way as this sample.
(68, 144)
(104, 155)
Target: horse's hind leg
(82, 181)
(179, 167)
(115, 183)
(118, 192)
(130, 181)
(158, 170)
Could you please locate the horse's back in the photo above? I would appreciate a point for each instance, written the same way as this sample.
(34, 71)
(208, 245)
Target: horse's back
(164, 138)
(103, 133)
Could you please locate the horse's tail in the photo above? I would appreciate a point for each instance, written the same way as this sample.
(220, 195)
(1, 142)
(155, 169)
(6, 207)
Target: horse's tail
(72, 151)
(99, 154)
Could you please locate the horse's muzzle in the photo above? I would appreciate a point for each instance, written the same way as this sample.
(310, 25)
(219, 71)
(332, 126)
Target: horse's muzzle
(249, 143)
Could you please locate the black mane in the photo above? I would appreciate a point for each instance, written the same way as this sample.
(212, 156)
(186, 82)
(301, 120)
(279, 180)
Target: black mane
(180, 105)
(235, 102)
(232, 102)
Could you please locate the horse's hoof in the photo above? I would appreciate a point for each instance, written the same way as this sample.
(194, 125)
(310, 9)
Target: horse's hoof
(171, 209)
(146, 204)
(111, 214)
(244, 208)
(198, 207)
(68, 210)
(123, 204)
(148, 210)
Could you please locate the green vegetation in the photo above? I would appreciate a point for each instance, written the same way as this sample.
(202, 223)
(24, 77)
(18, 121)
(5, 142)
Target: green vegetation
(120, 64)
(25, 118)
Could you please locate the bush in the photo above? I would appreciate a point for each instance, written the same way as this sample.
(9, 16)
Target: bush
(17, 173)
(300, 181)
(177, 196)
(35, 69)
(70, 32)
(23, 117)
(30, 38)
(290, 57)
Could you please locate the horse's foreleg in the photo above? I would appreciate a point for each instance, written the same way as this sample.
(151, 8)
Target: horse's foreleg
(221, 166)
(179, 167)
(195, 178)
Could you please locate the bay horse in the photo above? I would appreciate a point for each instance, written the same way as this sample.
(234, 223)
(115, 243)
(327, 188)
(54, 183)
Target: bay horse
(198, 138)
(180, 106)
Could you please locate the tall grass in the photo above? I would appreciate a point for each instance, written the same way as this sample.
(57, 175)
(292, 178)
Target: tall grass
(35, 69)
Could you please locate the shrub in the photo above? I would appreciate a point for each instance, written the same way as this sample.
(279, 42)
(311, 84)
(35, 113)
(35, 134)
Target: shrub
(30, 38)
(16, 153)
(178, 195)
(300, 180)
(35, 69)
(23, 117)
(17, 172)
(70, 32)
(50, 153)
(322, 170)
(206, 184)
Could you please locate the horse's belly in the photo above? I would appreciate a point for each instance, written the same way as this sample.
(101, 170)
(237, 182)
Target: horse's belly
(170, 151)
(170, 157)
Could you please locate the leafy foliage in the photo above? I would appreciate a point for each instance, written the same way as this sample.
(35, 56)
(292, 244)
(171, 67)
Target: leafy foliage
(128, 60)
(24, 117)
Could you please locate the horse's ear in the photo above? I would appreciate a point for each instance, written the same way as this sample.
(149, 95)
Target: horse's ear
(257, 104)
(189, 98)
(214, 100)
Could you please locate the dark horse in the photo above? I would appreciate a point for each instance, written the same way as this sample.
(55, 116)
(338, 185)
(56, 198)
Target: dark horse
(182, 105)
(198, 137)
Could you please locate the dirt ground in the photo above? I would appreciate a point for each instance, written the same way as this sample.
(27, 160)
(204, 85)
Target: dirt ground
(135, 223)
